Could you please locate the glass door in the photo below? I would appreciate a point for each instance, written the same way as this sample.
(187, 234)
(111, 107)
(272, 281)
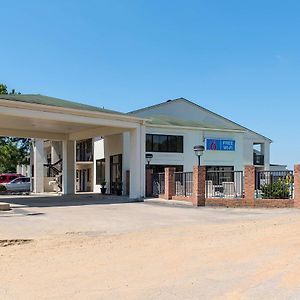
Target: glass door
(115, 173)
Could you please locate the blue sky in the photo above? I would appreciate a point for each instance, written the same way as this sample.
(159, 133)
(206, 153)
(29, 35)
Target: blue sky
(237, 58)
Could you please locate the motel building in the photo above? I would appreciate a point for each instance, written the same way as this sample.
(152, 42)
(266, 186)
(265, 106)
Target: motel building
(78, 147)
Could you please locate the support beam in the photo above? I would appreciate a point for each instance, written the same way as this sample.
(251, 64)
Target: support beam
(95, 132)
(135, 165)
(33, 134)
(68, 167)
(38, 161)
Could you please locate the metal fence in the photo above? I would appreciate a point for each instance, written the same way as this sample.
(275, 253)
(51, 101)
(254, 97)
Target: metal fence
(224, 184)
(274, 185)
(158, 184)
(183, 183)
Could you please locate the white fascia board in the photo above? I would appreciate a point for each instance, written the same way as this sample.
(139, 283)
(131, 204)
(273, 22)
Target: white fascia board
(71, 111)
(67, 118)
(33, 134)
(195, 128)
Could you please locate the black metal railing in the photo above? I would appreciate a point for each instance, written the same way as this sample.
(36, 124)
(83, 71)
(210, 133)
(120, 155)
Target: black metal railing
(158, 184)
(274, 184)
(183, 183)
(55, 170)
(224, 184)
(258, 159)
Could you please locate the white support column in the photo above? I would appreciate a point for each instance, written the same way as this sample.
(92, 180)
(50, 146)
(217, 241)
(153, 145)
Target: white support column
(68, 167)
(55, 151)
(143, 160)
(135, 164)
(265, 149)
(38, 161)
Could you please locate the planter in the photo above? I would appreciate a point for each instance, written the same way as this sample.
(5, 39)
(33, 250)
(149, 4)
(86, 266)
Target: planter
(103, 190)
(119, 192)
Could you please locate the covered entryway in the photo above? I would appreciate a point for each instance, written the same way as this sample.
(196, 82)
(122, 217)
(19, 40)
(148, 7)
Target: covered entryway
(42, 117)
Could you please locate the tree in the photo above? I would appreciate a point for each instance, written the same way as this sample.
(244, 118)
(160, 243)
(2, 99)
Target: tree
(13, 151)
(3, 89)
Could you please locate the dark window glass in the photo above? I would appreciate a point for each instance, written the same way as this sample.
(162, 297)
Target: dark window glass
(164, 143)
(84, 150)
(161, 168)
(221, 174)
(149, 142)
(180, 144)
(88, 175)
(155, 146)
(100, 171)
(173, 146)
(18, 180)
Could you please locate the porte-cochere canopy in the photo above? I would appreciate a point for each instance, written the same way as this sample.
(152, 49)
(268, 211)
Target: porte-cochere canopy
(38, 116)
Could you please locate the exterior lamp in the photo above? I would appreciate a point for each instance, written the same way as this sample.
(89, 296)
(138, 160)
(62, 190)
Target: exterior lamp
(149, 156)
(199, 149)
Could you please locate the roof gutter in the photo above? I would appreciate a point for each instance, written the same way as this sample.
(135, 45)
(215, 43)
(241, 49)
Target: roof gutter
(195, 128)
(73, 111)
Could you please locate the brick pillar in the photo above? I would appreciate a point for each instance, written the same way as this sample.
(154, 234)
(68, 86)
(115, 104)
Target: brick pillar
(249, 184)
(149, 187)
(169, 183)
(199, 176)
(297, 186)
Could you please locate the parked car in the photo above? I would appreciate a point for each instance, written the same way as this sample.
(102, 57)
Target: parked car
(18, 185)
(8, 177)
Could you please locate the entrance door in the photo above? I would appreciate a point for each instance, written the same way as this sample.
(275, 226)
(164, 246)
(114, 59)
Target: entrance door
(115, 173)
(81, 180)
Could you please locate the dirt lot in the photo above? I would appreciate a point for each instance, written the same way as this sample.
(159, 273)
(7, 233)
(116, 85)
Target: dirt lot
(147, 251)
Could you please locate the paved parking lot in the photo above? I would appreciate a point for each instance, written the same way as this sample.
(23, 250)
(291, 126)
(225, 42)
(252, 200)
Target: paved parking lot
(43, 216)
(91, 248)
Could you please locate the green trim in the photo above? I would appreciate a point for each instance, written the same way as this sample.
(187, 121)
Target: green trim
(171, 121)
(55, 102)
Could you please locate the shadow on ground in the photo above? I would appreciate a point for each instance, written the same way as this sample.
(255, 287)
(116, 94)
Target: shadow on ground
(65, 200)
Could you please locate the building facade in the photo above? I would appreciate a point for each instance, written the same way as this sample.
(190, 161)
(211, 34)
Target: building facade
(168, 131)
(172, 129)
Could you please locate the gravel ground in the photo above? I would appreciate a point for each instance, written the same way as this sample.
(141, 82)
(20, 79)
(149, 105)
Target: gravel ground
(85, 249)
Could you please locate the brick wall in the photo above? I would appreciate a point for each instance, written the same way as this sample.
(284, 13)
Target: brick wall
(242, 202)
(249, 200)
(169, 183)
(297, 186)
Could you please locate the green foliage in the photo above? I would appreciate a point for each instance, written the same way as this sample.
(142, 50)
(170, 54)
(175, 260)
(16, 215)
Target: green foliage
(277, 190)
(2, 188)
(13, 151)
(12, 154)
(3, 89)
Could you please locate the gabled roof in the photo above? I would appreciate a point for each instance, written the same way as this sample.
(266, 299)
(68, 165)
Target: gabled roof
(236, 125)
(55, 102)
(172, 121)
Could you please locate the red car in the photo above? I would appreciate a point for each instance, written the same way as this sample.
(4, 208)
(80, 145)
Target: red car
(5, 178)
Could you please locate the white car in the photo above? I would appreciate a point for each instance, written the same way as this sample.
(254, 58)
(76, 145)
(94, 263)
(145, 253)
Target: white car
(18, 185)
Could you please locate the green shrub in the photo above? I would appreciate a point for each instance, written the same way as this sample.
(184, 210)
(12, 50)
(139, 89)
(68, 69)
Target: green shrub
(2, 188)
(277, 190)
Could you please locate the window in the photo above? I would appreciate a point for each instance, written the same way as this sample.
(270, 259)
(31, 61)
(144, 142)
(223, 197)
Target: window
(164, 143)
(161, 168)
(84, 150)
(219, 174)
(100, 171)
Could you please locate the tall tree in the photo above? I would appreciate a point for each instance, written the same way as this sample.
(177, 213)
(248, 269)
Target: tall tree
(13, 150)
